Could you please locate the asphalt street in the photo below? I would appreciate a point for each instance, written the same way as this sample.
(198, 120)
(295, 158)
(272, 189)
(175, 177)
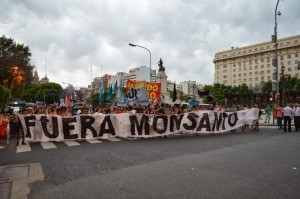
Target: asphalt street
(263, 164)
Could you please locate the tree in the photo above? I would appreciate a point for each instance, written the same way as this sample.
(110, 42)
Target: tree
(49, 92)
(267, 87)
(15, 66)
(5, 94)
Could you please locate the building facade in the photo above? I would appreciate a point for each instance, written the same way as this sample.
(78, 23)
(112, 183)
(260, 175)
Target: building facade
(141, 73)
(253, 65)
(189, 88)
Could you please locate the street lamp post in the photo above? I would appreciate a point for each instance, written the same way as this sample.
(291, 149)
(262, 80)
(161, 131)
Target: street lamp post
(274, 39)
(134, 45)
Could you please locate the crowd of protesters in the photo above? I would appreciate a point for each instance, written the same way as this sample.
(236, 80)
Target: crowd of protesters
(10, 126)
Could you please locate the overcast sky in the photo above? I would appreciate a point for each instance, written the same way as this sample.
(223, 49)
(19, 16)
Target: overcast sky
(72, 35)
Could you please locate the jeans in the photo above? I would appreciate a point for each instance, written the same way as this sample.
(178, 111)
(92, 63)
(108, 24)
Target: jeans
(287, 120)
(279, 122)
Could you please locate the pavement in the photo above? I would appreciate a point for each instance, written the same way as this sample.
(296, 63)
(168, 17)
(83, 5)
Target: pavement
(16, 179)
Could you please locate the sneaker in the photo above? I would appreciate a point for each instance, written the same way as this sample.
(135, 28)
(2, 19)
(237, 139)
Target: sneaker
(23, 143)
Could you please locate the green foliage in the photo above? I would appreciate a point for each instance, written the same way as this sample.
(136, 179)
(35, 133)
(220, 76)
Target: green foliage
(14, 55)
(221, 92)
(267, 87)
(95, 99)
(49, 92)
(5, 94)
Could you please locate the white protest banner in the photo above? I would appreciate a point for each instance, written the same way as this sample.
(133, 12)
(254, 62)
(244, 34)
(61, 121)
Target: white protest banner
(57, 128)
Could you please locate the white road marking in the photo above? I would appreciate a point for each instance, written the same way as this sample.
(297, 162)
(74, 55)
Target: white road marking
(114, 139)
(93, 141)
(71, 143)
(48, 145)
(23, 148)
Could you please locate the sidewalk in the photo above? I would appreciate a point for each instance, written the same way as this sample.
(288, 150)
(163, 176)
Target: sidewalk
(262, 121)
(15, 180)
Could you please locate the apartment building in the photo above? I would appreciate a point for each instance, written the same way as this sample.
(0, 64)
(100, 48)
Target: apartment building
(253, 64)
(141, 73)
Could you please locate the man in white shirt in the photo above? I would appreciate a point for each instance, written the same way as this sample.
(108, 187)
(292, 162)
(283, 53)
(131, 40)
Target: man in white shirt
(288, 113)
(297, 117)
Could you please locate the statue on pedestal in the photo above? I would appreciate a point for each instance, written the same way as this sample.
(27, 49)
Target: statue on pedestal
(160, 64)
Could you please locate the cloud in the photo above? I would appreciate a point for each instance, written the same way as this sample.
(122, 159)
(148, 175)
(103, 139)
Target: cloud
(72, 35)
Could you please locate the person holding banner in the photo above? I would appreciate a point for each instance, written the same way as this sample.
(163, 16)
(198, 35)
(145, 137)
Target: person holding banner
(20, 128)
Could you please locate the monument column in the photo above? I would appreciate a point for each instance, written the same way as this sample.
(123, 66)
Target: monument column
(161, 78)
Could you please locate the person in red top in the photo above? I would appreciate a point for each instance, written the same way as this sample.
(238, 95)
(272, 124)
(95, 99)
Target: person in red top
(118, 110)
(3, 127)
(279, 116)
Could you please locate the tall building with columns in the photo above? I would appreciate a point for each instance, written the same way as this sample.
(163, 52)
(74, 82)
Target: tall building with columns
(253, 64)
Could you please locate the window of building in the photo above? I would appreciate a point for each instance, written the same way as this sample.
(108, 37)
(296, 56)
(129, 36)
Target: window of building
(296, 68)
(224, 76)
(296, 61)
(245, 68)
(244, 63)
(262, 66)
(224, 71)
(225, 66)
(289, 62)
(296, 54)
(256, 67)
(256, 78)
(256, 73)
(268, 47)
(233, 75)
(245, 74)
(250, 73)
(289, 55)
(225, 82)
(256, 61)
(233, 70)
(289, 69)
(239, 74)
(240, 69)
(268, 71)
(234, 81)
(288, 43)
(250, 67)
(296, 41)
(250, 79)
(281, 44)
(233, 65)
(269, 78)
(281, 57)
(239, 63)
(268, 60)
(268, 65)
(262, 60)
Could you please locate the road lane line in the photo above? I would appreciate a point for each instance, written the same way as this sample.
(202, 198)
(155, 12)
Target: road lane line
(48, 145)
(93, 141)
(23, 148)
(71, 143)
(114, 139)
